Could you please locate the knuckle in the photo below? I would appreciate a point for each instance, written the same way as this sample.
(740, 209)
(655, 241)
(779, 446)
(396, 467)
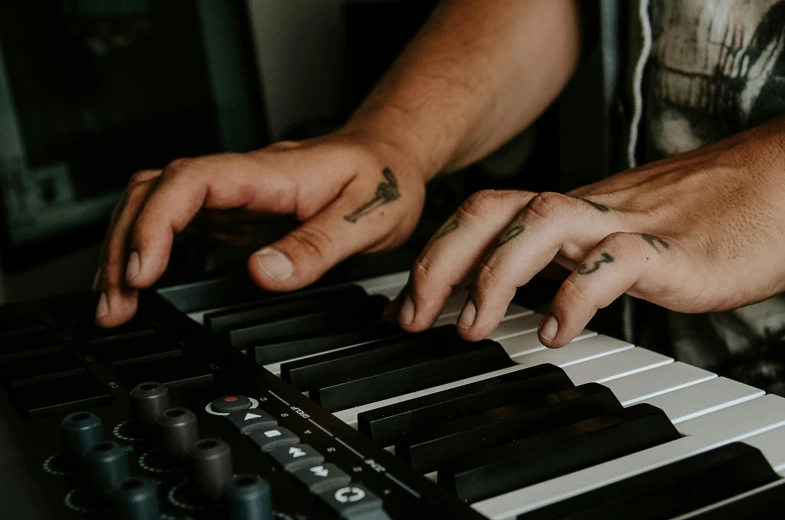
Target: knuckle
(178, 167)
(313, 241)
(624, 245)
(422, 270)
(572, 295)
(488, 275)
(548, 204)
(481, 204)
(140, 177)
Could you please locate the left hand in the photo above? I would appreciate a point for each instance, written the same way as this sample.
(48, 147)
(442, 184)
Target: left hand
(698, 232)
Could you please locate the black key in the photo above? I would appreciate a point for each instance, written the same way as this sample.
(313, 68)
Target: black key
(768, 503)
(557, 452)
(426, 450)
(290, 348)
(59, 395)
(136, 349)
(19, 319)
(138, 325)
(179, 371)
(429, 367)
(288, 305)
(306, 372)
(31, 342)
(339, 318)
(674, 489)
(386, 425)
(40, 367)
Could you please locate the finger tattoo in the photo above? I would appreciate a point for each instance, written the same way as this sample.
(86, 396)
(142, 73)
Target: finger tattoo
(509, 235)
(595, 205)
(449, 228)
(606, 259)
(386, 192)
(654, 240)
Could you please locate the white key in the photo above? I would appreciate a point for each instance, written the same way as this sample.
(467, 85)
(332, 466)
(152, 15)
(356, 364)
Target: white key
(709, 396)
(513, 311)
(704, 433)
(454, 304)
(637, 387)
(610, 346)
(374, 285)
(516, 326)
(718, 505)
(772, 445)
(391, 292)
(575, 352)
(623, 364)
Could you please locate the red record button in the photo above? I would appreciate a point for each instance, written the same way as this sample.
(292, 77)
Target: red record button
(231, 403)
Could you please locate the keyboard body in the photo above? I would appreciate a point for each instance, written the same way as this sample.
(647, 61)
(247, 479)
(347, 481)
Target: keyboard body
(54, 362)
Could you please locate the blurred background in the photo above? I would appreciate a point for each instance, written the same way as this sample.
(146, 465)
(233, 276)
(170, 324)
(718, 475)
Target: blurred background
(92, 91)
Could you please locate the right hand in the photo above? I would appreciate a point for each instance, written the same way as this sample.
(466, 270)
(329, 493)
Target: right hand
(325, 183)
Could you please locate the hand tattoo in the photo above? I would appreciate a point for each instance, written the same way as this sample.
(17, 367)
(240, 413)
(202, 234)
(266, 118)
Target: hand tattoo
(449, 228)
(598, 207)
(509, 235)
(606, 259)
(654, 240)
(386, 192)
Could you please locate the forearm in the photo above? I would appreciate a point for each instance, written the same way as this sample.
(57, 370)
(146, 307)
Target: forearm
(478, 73)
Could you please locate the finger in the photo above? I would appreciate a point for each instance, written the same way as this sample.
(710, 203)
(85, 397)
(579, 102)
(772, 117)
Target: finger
(188, 185)
(117, 304)
(550, 227)
(620, 263)
(454, 250)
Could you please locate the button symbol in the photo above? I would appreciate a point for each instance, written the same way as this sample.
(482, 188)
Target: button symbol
(272, 433)
(349, 494)
(250, 416)
(230, 399)
(296, 452)
(320, 471)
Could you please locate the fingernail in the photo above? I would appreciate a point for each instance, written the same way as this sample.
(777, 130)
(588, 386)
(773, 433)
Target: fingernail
(548, 328)
(468, 314)
(98, 274)
(407, 311)
(133, 266)
(274, 264)
(103, 307)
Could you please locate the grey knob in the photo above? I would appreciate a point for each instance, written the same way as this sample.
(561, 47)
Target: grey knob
(248, 498)
(148, 402)
(176, 432)
(107, 465)
(210, 467)
(78, 432)
(137, 499)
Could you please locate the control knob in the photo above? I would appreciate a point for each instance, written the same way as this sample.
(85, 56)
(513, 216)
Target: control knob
(78, 432)
(137, 499)
(107, 465)
(248, 498)
(176, 432)
(209, 466)
(148, 401)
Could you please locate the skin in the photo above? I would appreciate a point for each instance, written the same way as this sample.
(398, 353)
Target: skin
(477, 74)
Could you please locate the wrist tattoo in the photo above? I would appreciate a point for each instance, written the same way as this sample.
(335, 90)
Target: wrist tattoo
(595, 205)
(508, 235)
(654, 240)
(386, 192)
(606, 259)
(446, 230)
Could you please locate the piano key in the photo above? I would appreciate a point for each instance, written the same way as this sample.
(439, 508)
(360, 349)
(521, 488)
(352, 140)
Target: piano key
(618, 365)
(764, 502)
(529, 342)
(708, 477)
(339, 318)
(515, 326)
(557, 452)
(290, 305)
(42, 366)
(513, 311)
(427, 449)
(426, 368)
(81, 391)
(387, 424)
(657, 381)
(702, 398)
(29, 341)
(772, 445)
(289, 349)
(178, 371)
(136, 349)
(702, 434)
(373, 285)
(565, 356)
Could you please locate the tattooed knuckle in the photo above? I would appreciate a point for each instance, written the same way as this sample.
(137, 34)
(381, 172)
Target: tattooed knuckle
(422, 270)
(480, 205)
(623, 245)
(547, 205)
(488, 275)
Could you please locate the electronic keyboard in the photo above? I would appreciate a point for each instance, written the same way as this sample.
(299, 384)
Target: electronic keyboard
(219, 400)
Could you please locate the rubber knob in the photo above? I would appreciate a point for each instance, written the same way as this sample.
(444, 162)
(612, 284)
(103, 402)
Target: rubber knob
(248, 498)
(148, 402)
(210, 467)
(176, 432)
(78, 432)
(137, 499)
(107, 465)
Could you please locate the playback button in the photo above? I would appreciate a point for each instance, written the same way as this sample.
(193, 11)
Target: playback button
(269, 439)
(322, 477)
(252, 419)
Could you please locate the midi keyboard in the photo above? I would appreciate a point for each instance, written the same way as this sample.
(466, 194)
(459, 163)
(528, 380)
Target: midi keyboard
(220, 401)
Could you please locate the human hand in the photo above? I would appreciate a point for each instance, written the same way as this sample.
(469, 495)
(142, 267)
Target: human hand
(349, 193)
(698, 232)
